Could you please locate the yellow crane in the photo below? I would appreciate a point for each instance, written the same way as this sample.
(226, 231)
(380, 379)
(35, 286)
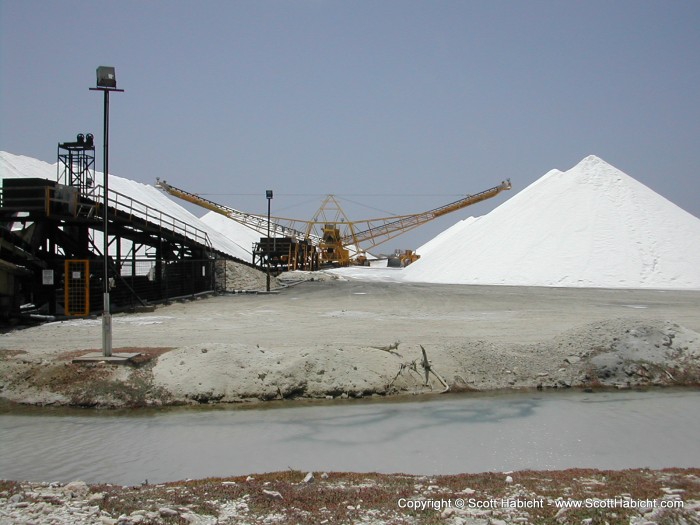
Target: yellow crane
(373, 232)
(339, 240)
(257, 223)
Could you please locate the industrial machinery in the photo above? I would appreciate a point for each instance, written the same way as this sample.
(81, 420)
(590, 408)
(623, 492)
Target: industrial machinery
(370, 233)
(338, 240)
(402, 258)
(252, 221)
(332, 250)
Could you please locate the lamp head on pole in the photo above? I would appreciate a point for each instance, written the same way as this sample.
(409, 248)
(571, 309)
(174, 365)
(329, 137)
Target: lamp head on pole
(106, 77)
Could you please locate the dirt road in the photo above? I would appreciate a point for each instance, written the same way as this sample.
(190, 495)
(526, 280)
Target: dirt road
(357, 338)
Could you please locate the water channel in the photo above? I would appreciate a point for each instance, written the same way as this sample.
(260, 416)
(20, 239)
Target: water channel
(444, 434)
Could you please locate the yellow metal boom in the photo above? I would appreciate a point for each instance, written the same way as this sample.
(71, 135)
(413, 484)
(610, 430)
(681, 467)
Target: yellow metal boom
(378, 231)
(257, 223)
(356, 236)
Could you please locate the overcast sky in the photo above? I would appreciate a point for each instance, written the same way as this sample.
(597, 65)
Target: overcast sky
(394, 106)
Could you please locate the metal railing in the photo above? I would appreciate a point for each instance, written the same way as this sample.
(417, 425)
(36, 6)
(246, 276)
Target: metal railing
(134, 208)
(65, 201)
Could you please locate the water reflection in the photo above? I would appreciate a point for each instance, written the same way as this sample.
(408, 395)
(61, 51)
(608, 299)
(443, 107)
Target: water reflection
(404, 421)
(448, 434)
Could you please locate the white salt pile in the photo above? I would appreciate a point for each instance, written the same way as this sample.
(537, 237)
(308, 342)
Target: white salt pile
(591, 226)
(234, 231)
(19, 166)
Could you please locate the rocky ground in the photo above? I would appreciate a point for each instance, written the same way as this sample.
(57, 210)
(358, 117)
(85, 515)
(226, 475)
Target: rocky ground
(630, 497)
(329, 339)
(617, 353)
(232, 276)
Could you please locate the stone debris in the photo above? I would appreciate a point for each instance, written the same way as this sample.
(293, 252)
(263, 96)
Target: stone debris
(232, 276)
(309, 478)
(199, 502)
(273, 494)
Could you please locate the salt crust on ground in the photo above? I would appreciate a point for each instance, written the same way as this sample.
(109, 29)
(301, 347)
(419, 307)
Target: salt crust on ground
(618, 353)
(605, 353)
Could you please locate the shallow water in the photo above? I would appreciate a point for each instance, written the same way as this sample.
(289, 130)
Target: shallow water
(447, 434)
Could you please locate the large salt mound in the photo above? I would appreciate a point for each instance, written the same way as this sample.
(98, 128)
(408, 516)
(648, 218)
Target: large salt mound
(18, 166)
(591, 226)
(232, 230)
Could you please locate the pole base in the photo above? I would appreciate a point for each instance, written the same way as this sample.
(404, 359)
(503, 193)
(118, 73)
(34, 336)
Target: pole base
(106, 328)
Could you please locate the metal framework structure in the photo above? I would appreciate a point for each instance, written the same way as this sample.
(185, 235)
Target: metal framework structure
(77, 287)
(338, 239)
(373, 232)
(285, 254)
(76, 163)
(47, 227)
(257, 223)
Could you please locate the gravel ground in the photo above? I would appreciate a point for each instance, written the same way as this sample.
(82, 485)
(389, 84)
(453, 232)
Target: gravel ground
(329, 337)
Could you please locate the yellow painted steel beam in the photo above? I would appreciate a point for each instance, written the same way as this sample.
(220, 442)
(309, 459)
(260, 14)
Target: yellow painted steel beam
(378, 231)
(362, 234)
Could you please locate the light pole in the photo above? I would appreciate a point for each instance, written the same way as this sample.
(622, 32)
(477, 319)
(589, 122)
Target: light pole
(268, 195)
(106, 82)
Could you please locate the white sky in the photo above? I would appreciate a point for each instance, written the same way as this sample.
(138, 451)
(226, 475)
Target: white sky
(394, 106)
